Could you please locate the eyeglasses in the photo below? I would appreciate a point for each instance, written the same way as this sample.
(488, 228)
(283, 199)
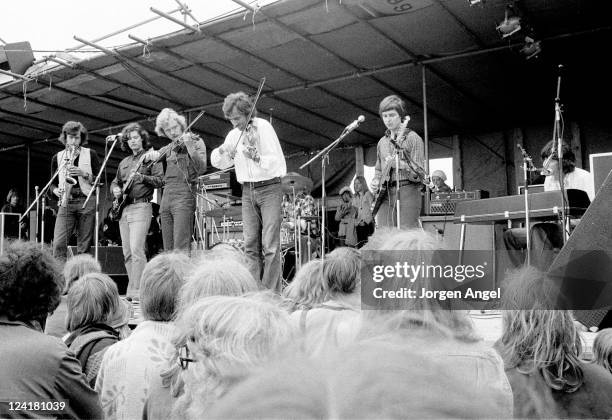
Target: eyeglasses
(183, 357)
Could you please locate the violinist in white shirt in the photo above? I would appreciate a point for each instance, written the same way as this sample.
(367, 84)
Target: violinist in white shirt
(252, 146)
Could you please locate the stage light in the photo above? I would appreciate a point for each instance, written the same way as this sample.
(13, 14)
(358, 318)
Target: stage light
(510, 25)
(475, 2)
(531, 48)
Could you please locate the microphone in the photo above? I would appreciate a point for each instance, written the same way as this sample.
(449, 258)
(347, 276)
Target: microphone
(354, 124)
(112, 137)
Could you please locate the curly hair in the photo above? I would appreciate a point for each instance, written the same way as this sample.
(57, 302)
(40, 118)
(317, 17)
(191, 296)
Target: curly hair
(229, 337)
(74, 128)
(125, 136)
(165, 117)
(602, 349)
(537, 339)
(242, 102)
(306, 290)
(30, 282)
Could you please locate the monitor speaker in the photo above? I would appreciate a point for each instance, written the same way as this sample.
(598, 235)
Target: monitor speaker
(110, 258)
(582, 267)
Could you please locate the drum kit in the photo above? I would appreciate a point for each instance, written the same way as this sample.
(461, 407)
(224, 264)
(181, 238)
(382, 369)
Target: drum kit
(300, 224)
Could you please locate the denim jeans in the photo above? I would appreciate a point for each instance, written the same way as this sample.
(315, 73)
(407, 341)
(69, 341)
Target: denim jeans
(261, 218)
(410, 207)
(69, 217)
(177, 213)
(134, 226)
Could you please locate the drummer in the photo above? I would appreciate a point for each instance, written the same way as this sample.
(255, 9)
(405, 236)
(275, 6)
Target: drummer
(253, 148)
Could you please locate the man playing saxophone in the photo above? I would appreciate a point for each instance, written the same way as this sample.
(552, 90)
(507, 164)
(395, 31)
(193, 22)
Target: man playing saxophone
(77, 166)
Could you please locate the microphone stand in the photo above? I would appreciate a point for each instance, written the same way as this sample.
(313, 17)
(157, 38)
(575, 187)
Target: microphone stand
(96, 186)
(558, 137)
(397, 186)
(325, 157)
(43, 191)
(527, 167)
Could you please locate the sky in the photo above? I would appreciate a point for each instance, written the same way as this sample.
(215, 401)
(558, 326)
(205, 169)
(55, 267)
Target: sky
(50, 25)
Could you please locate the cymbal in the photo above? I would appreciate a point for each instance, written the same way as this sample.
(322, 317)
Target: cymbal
(293, 180)
(225, 211)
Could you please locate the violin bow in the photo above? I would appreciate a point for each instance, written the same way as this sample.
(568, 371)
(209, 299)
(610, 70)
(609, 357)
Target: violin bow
(259, 89)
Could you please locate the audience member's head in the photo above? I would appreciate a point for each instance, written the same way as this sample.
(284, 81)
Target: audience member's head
(417, 248)
(227, 337)
(602, 349)
(536, 339)
(30, 282)
(216, 277)
(78, 266)
(306, 290)
(378, 380)
(93, 299)
(342, 272)
(162, 279)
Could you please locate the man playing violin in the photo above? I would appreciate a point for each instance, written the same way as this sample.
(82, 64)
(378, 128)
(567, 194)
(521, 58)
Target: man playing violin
(76, 163)
(392, 109)
(254, 149)
(137, 212)
(185, 161)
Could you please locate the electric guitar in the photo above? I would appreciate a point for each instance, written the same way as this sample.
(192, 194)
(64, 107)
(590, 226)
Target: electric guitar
(121, 202)
(415, 173)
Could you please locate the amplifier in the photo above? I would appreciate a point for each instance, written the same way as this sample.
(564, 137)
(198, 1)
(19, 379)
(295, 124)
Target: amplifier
(221, 181)
(445, 203)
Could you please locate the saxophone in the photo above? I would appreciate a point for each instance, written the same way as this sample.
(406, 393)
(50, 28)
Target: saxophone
(70, 154)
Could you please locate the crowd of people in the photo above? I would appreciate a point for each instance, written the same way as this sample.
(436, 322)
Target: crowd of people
(212, 342)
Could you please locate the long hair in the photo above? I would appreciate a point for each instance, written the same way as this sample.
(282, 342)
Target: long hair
(74, 128)
(342, 271)
(602, 349)
(415, 314)
(125, 136)
(307, 289)
(539, 340)
(78, 266)
(364, 185)
(13, 192)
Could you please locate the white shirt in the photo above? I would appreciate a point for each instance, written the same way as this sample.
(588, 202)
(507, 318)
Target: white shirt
(578, 179)
(271, 164)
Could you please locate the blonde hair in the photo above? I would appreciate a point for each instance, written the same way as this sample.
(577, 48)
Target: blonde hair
(78, 266)
(342, 271)
(92, 299)
(536, 338)
(307, 289)
(602, 349)
(165, 117)
(228, 336)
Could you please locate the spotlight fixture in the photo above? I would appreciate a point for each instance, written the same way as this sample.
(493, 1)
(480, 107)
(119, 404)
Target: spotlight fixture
(531, 48)
(476, 2)
(510, 25)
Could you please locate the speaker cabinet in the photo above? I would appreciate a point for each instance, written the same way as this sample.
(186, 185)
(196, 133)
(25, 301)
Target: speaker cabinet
(582, 267)
(110, 258)
(601, 165)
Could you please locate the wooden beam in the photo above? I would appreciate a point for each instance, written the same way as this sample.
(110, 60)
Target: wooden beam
(576, 144)
(457, 163)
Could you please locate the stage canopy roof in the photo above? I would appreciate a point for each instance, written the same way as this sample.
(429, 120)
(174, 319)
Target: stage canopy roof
(327, 62)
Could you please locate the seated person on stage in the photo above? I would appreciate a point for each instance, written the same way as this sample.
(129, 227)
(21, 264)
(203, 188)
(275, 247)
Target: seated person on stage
(438, 179)
(12, 225)
(346, 214)
(546, 237)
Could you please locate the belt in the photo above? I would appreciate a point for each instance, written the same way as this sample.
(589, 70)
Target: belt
(138, 200)
(402, 183)
(258, 184)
